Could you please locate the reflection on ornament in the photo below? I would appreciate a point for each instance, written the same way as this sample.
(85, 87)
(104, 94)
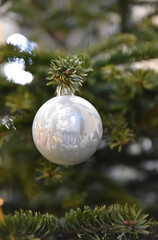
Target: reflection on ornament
(67, 129)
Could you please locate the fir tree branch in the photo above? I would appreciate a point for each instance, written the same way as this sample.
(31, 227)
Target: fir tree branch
(119, 132)
(20, 100)
(112, 221)
(29, 225)
(49, 172)
(143, 51)
(10, 52)
(69, 72)
(113, 42)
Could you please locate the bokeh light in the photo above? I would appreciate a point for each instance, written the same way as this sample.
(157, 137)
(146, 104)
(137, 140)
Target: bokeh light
(15, 70)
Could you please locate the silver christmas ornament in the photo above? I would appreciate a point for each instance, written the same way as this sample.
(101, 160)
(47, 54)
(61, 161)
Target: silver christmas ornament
(67, 129)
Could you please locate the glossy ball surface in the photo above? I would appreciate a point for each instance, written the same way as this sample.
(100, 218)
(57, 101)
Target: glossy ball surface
(67, 130)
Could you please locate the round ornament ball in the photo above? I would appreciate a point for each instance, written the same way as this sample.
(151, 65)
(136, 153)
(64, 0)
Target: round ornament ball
(67, 129)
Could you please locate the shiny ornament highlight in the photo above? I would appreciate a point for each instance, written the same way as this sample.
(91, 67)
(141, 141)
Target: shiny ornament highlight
(67, 129)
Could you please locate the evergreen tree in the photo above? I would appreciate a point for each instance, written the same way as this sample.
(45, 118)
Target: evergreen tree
(108, 38)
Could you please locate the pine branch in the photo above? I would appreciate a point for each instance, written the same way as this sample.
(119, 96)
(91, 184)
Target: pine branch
(20, 100)
(119, 134)
(10, 52)
(143, 51)
(123, 120)
(113, 42)
(28, 225)
(49, 172)
(100, 223)
(69, 72)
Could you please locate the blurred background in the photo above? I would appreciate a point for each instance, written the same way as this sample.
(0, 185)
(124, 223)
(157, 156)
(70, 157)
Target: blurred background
(121, 39)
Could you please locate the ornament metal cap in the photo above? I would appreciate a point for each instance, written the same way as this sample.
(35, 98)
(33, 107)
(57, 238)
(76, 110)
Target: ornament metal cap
(64, 91)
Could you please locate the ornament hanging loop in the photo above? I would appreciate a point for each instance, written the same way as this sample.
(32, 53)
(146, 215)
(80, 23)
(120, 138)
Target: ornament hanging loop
(60, 91)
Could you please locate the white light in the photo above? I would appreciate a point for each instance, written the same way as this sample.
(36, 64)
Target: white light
(124, 173)
(18, 40)
(22, 42)
(139, 12)
(151, 165)
(134, 149)
(14, 71)
(146, 144)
